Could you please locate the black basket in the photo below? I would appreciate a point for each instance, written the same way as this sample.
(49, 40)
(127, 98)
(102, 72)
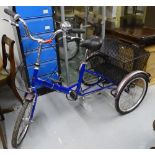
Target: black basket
(120, 59)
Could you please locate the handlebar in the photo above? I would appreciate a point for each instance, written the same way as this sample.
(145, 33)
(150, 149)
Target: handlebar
(17, 18)
(76, 30)
(11, 22)
(12, 14)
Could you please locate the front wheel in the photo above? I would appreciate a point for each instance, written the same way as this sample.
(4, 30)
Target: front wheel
(22, 123)
(131, 94)
(154, 125)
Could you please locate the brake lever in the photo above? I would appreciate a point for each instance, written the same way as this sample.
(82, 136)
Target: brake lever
(72, 38)
(11, 22)
(14, 24)
(58, 22)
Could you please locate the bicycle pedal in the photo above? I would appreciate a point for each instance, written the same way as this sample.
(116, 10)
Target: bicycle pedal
(60, 80)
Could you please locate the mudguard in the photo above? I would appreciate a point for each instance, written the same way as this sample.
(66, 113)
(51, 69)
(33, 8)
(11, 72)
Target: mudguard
(130, 75)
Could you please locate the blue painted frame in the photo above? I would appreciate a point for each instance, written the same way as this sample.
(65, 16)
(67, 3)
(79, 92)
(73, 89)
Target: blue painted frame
(67, 89)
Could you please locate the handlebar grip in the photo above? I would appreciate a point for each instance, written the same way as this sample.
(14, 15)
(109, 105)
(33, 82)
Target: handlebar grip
(9, 12)
(12, 14)
(76, 30)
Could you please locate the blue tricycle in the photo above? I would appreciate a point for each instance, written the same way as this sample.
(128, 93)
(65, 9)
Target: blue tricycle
(108, 64)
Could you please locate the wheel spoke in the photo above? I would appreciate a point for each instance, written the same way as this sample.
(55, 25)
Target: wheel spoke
(24, 123)
(132, 94)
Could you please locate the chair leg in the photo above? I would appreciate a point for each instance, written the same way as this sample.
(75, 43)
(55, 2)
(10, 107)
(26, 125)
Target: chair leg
(7, 110)
(13, 87)
(3, 134)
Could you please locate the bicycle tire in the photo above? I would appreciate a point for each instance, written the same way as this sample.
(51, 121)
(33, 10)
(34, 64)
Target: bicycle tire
(18, 122)
(117, 98)
(75, 48)
(153, 125)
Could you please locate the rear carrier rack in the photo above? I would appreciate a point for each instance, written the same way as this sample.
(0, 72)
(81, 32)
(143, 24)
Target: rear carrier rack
(120, 59)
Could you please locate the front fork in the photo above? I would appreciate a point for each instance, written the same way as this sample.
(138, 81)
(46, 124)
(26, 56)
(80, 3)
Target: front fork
(32, 95)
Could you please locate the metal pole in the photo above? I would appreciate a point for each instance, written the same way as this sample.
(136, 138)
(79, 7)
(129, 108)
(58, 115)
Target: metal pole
(86, 20)
(103, 21)
(65, 45)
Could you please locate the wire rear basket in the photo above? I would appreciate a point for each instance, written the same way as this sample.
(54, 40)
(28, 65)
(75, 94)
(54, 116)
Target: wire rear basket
(120, 59)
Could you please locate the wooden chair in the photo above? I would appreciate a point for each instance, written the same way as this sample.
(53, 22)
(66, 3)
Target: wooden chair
(2, 130)
(7, 77)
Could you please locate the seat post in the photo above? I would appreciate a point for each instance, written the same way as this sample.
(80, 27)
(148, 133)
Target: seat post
(86, 55)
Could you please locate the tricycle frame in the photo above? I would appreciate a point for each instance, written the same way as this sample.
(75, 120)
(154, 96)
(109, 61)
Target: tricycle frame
(77, 87)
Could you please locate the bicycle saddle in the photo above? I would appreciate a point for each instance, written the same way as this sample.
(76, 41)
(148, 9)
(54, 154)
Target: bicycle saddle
(93, 43)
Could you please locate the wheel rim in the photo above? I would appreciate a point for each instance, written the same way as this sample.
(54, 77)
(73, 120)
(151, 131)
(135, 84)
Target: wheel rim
(132, 94)
(24, 124)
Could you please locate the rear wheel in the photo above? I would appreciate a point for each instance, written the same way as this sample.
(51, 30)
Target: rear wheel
(22, 124)
(72, 50)
(131, 94)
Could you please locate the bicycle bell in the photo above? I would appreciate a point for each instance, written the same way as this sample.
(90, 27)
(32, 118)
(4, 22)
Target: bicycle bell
(65, 26)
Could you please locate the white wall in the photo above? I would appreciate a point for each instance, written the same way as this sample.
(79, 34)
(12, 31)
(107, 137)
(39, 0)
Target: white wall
(6, 28)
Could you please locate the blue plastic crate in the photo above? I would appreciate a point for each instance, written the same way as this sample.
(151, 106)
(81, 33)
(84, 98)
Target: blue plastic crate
(30, 45)
(38, 26)
(47, 54)
(41, 24)
(29, 12)
(45, 68)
